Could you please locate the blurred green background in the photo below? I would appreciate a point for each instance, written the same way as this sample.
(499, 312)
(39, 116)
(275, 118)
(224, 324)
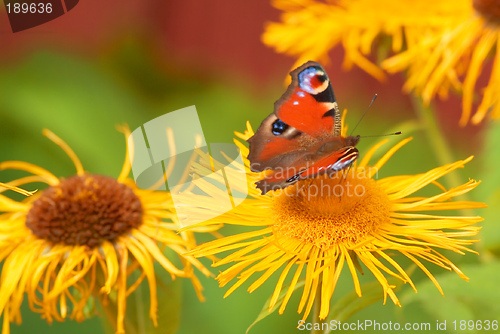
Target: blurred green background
(104, 64)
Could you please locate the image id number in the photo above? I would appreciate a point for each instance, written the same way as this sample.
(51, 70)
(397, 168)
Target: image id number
(475, 325)
(32, 8)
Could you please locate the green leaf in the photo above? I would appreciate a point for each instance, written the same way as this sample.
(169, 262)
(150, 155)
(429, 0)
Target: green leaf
(473, 300)
(266, 311)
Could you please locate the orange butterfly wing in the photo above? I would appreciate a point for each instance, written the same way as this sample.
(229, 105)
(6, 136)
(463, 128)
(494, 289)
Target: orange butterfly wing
(303, 131)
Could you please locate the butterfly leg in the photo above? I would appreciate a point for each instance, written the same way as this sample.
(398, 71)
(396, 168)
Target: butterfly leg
(347, 173)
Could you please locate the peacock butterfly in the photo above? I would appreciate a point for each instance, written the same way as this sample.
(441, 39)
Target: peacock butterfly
(302, 137)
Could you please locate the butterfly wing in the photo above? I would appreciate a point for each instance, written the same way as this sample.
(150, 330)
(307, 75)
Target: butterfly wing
(336, 161)
(309, 104)
(303, 131)
(305, 114)
(333, 162)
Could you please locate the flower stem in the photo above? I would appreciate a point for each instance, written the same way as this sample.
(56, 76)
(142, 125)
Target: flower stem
(438, 142)
(439, 145)
(110, 309)
(316, 309)
(139, 308)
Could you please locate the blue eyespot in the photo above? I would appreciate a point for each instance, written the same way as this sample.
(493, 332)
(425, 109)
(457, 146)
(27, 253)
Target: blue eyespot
(279, 127)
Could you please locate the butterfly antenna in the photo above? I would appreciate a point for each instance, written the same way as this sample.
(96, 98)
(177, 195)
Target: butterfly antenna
(387, 134)
(374, 97)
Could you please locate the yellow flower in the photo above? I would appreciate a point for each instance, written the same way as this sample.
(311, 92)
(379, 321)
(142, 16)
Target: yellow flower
(309, 29)
(83, 237)
(453, 55)
(442, 44)
(320, 225)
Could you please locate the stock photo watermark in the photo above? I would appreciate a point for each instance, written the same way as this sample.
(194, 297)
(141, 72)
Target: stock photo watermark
(374, 325)
(336, 183)
(164, 150)
(161, 154)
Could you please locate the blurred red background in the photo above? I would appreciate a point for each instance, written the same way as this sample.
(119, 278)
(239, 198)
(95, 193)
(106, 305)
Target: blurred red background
(218, 39)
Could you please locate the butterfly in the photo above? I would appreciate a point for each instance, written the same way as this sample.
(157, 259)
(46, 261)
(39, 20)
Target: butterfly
(302, 137)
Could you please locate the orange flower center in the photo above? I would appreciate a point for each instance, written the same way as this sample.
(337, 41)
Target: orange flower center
(490, 9)
(327, 211)
(85, 210)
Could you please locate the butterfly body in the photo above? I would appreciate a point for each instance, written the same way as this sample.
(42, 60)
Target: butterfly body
(302, 137)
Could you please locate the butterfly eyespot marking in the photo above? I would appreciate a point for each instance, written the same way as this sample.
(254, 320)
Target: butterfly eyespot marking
(321, 77)
(279, 127)
(313, 80)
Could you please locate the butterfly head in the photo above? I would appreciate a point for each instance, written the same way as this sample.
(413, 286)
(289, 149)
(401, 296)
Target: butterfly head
(352, 140)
